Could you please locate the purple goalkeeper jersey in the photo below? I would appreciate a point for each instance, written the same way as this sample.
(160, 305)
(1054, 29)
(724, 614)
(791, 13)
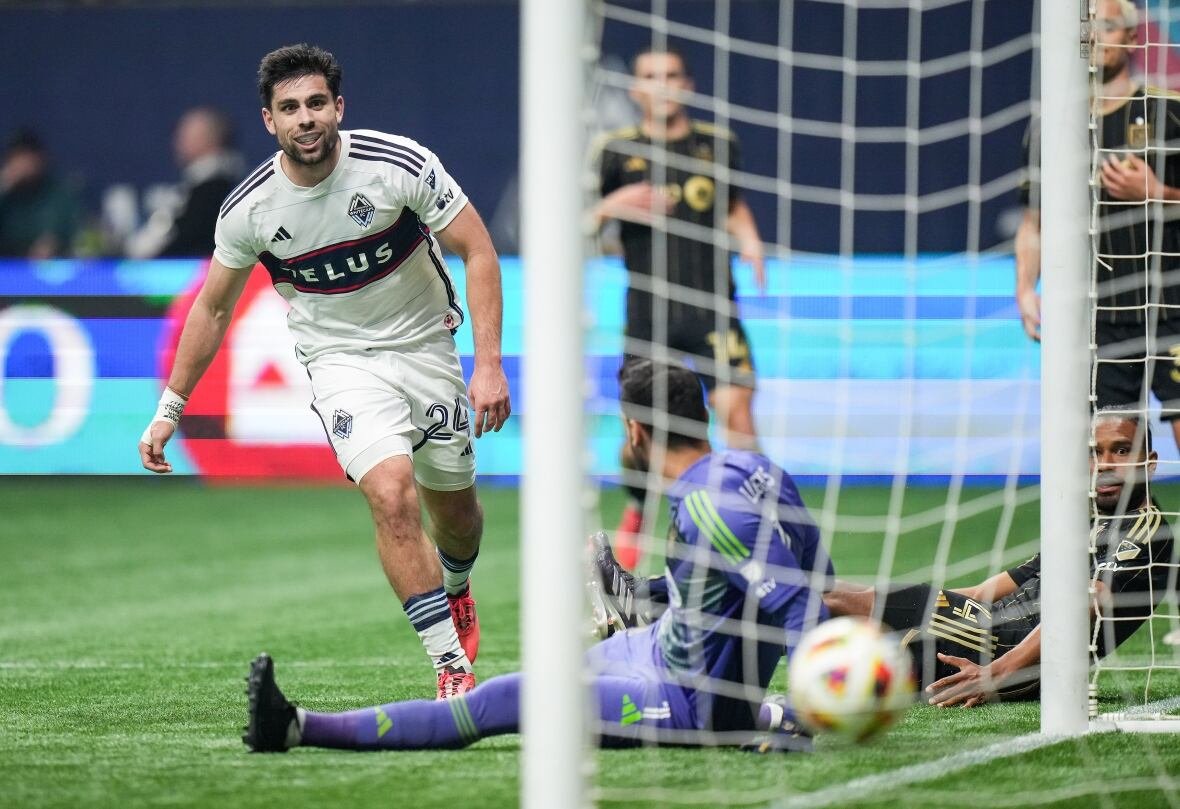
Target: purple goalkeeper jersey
(745, 573)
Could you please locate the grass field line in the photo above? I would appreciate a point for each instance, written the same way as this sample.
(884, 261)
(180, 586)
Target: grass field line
(874, 785)
(1098, 787)
(1159, 707)
(111, 665)
(882, 782)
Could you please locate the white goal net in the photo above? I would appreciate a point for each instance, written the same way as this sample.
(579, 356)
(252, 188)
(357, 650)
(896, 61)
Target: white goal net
(883, 149)
(1133, 125)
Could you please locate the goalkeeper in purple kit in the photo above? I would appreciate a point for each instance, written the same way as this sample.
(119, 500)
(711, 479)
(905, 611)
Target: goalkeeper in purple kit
(745, 576)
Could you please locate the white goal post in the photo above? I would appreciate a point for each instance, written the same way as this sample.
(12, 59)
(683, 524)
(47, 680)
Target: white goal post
(1065, 376)
(552, 154)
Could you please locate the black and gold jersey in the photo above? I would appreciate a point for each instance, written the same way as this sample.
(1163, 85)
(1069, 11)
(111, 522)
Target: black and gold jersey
(1134, 559)
(687, 253)
(1133, 234)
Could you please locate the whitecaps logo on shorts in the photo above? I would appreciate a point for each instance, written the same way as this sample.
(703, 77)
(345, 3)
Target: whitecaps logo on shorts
(342, 423)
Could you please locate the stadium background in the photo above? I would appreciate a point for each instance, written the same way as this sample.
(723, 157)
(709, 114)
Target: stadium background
(941, 332)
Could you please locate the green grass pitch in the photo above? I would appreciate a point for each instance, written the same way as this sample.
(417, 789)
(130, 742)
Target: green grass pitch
(129, 610)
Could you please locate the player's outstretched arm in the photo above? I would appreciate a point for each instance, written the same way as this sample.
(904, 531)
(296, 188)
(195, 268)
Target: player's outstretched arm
(204, 329)
(991, 590)
(466, 237)
(974, 685)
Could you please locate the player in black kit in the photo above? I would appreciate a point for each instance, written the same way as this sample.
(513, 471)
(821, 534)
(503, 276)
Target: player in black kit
(668, 181)
(974, 644)
(1138, 250)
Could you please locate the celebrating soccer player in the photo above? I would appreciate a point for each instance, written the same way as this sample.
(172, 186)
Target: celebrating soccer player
(745, 574)
(349, 225)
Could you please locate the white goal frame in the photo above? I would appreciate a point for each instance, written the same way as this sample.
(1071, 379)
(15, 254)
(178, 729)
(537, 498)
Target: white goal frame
(554, 719)
(552, 153)
(1065, 374)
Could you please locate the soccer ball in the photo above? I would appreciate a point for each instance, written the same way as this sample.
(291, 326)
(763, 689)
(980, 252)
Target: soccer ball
(849, 677)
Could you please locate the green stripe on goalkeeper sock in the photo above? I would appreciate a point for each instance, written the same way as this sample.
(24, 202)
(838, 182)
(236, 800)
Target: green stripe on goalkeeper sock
(431, 616)
(456, 572)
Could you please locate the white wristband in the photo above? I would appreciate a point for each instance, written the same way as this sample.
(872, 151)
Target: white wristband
(170, 408)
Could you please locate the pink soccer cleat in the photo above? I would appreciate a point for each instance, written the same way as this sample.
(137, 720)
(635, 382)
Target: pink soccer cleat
(466, 622)
(627, 548)
(454, 682)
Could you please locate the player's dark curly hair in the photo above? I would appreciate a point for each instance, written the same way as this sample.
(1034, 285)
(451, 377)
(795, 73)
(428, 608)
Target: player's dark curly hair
(294, 61)
(1115, 413)
(647, 388)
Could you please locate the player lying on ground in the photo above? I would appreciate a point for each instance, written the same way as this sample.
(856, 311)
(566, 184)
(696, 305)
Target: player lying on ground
(745, 572)
(974, 644)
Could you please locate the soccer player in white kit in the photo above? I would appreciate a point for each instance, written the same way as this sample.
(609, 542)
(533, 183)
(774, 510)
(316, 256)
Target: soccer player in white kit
(349, 225)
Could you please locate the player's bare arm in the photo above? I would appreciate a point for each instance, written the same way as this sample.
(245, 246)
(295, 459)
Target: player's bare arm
(1028, 272)
(204, 329)
(741, 225)
(992, 589)
(974, 685)
(467, 238)
(641, 203)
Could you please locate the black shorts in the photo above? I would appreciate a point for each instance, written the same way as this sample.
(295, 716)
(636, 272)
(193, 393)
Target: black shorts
(940, 621)
(719, 357)
(1122, 353)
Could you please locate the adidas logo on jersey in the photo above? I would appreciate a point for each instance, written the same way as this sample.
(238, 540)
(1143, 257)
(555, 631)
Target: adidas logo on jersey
(281, 235)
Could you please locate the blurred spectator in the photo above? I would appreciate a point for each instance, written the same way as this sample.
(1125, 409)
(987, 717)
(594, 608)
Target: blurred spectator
(209, 171)
(38, 211)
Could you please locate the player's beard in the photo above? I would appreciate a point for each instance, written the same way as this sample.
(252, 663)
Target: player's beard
(1113, 71)
(328, 145)
(639, 459)
(1135, 491)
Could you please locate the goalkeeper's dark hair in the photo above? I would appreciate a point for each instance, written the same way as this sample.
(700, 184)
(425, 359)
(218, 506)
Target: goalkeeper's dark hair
(641, 380)
(293, 62)
(1116, 413)
(670, 50)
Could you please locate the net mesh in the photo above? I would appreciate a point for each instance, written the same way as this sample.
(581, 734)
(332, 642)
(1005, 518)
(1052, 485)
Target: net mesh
(1132, 237)
(882, 154)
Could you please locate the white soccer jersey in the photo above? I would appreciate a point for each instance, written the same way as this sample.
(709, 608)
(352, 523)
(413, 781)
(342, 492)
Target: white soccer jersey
(353, 255)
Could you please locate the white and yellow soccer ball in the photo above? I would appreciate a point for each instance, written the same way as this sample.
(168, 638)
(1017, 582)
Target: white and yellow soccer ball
(849, 677)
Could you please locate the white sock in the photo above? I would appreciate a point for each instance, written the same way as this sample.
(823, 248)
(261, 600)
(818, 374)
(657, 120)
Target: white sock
(442, 645)
(295, 730)
(431, 616)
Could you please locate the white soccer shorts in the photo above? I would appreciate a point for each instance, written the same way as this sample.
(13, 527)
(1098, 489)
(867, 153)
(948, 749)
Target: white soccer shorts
(378, 403)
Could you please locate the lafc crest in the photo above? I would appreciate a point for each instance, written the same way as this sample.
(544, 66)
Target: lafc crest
(1138, 133)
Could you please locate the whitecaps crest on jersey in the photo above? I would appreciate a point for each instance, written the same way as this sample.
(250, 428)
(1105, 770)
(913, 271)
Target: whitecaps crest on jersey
(361, 210)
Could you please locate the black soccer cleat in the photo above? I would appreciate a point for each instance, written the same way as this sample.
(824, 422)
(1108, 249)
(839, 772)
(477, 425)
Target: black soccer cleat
(616, 580)
(611, 588)
(779, 732)
(269, 715)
